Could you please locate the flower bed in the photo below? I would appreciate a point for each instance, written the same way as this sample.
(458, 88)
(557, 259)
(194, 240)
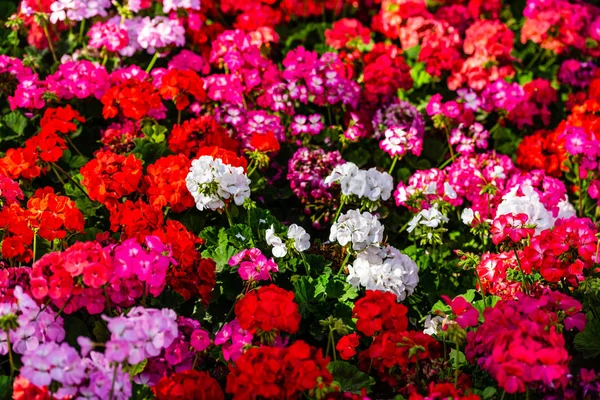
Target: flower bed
(299, 199)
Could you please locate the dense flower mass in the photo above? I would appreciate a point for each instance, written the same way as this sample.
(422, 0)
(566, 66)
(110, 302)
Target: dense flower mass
(300, 199)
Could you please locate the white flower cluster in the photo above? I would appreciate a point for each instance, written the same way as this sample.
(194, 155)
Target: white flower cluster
(370, 183)
(298, 238)
(384, 269)
(529, 204)
(431, 217)
(359, 229)
(211, 182)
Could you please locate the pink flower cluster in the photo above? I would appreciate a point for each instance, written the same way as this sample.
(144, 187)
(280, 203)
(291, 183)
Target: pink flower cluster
(91, 276)
(233, 340)
(520, 343)
(253, 265)
(424, 188)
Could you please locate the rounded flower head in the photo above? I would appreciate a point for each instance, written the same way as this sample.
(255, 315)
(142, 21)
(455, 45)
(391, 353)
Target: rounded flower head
(361, 230)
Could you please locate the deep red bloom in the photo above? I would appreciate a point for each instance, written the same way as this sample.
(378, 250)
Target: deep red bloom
(110, 176)
(136, 220)
(164, 183)
(49, 146)
(53, 215)
(347, 346)
(60, 119)
(134, 98)
(180, 85)
(268, 308)
(190, 136)
(277, 373)
(379, 311)
(266, 143)
(188, 385)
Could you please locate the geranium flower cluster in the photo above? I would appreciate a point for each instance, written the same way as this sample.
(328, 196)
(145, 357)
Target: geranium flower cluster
(91, 276)
(520, 343)
(370, 184)
(356, 229)
(211, 182)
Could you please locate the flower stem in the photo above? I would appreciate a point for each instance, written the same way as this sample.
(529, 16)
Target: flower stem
(306, 265)
(50, 45)
(337, 215)
(81, 29)
(580, 189)
(393, 165)
(34, 245)
(228, 216)
(112, 385)
(523, 283)
(65, 173)
(332, 339)
(456, 366)
(11, 360)
(152, 62)
(448, 140)
(344, 264)
(73, 145)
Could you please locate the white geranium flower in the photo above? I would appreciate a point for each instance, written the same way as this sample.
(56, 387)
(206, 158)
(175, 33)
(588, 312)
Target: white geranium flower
(529, 203)
(433, 325)
(384, 269)
(361, 230)
(467, 216)
(431, 217)
(211, 182)
(300, 237)
(278, 247)
(371, 183)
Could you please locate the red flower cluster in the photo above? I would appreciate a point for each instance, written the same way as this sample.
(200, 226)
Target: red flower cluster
(190, 136)
(135, 220)
(134, 98)
(277, 373)
(492, 272)
(28, 162)
(443, 391)
(397, 355)
(268, 308)
(385, 72)
(180, 85)
(25, 390)
(110, 176)
(347, 33)
(60, 119)
(519, 344)
(17, 235)
(164, 183)
(52, 216)
(188, 385)
(543, 150)
(347, 346)
(564, 251)
(379, 311)
(265, 143)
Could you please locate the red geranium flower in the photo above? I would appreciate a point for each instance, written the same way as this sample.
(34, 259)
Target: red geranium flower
(188, 385)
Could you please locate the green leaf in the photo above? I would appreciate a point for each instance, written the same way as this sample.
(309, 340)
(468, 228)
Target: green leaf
(588, 341)
(137, 368)
(16, 121)
(304, 295)
(461, 357)
(5, 387)
(101, 331)
(349, 377)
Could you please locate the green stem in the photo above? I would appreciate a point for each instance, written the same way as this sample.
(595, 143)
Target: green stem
(178, 117)
(11, 360)
(195, 359)
(446, 131)
(337, 214)
(456, 367)
(112, 385)
(344, 263)
(34, 245)
(448, 161)
(66, 174)
(50, 45)
(251, 171)
(228, 216)
(306, 265)
(152, 62)
(523, 283)
(73, 145)
(332, 343)
(393, 165)
(81, 29)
